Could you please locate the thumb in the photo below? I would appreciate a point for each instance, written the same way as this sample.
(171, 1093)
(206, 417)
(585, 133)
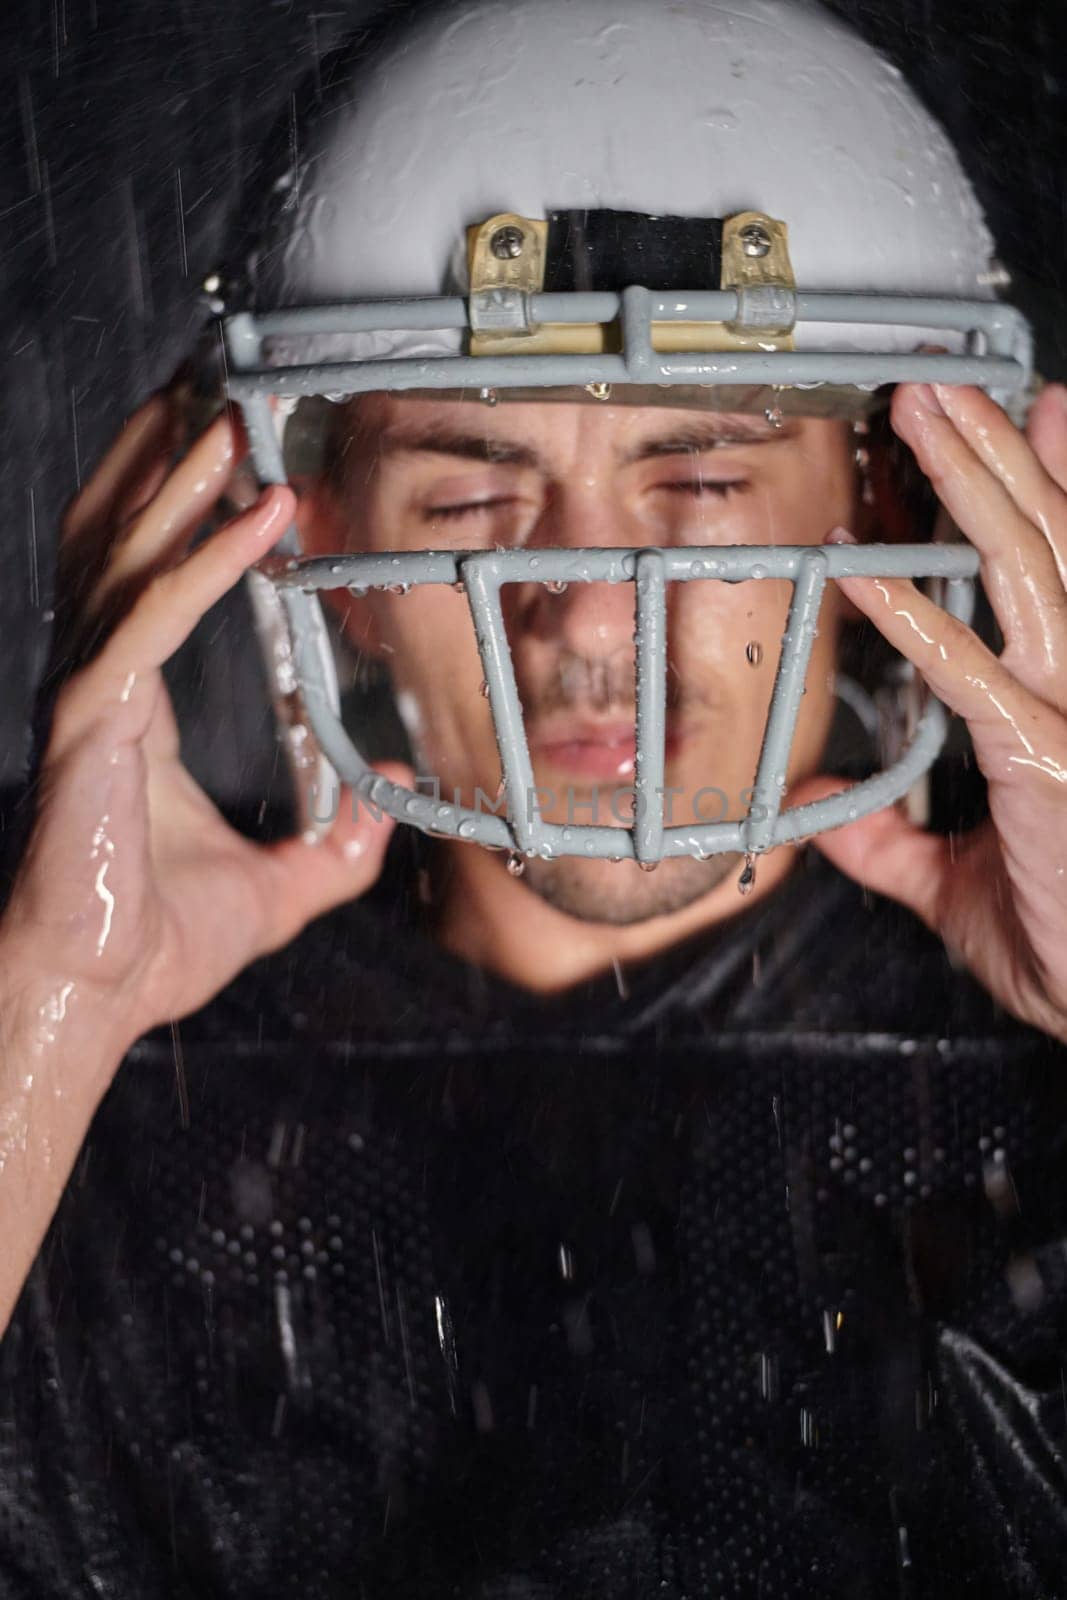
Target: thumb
(315, 876)
(884, 852)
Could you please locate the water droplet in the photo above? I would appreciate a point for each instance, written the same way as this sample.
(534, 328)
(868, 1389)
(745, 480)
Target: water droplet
(459, 588)
(599, 391)
(556, 586)
(484, 690)
(648, 866)
(516, 865)
(753, 652)
(773, 415)
(467, 830)
(489, 396)
(399, 588)
(747, 881)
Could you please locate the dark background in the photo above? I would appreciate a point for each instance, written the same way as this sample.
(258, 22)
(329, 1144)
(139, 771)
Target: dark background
(124, 126)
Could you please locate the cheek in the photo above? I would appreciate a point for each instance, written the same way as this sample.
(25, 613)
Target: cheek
(798, 506)
(733, 630)
(428, 641)
(728, 638)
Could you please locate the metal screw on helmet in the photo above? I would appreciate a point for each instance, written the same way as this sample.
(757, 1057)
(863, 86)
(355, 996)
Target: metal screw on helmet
(507, 243)
(755, 240)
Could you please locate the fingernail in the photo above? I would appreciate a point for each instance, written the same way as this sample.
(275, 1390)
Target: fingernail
(926, 397)
(273, 503)
(840, 535)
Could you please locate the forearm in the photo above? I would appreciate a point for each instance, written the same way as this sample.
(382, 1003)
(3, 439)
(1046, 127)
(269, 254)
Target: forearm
(58, 1052)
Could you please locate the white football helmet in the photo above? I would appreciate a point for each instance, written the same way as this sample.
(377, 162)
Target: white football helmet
(665, 204)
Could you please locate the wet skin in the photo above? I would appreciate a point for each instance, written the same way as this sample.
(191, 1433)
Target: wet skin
(998, 896)
(135, 902)
(422, 474)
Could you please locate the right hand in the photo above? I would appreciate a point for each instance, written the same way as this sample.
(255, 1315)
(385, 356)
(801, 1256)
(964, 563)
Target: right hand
(133, 889)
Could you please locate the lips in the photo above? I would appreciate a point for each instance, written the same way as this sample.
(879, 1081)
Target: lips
(600, 752)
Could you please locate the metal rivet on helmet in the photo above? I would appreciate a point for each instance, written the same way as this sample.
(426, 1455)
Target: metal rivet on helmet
(755, 240)
(506, 243)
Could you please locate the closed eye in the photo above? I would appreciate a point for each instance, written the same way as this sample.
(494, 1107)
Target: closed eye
(696, 487)
(465, 508)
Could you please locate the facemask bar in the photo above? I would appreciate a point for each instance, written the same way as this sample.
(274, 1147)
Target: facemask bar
(483, 574)
(998, 358)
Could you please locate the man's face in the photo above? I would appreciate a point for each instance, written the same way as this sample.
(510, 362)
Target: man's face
(422, 474)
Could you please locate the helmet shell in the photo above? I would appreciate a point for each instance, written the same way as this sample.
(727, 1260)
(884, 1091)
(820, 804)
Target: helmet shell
(460, 111)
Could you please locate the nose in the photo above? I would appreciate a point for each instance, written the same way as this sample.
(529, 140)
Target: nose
(595, 620)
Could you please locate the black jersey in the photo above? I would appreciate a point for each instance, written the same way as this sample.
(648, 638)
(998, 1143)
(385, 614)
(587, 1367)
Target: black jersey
(743, 1274)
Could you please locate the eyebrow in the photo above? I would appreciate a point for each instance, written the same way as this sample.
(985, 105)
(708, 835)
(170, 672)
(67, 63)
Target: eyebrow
(697, 437)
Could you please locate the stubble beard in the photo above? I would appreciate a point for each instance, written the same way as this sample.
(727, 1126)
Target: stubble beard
(619, 894)
(622, 893)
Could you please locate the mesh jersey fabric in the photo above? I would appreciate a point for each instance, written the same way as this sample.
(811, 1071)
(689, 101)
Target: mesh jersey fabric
(744, 1277)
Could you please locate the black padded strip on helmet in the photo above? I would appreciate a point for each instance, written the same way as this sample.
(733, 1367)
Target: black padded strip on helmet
(612, 249)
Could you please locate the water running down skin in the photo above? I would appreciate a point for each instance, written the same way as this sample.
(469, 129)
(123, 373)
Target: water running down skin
(189, 902)
(998, 895)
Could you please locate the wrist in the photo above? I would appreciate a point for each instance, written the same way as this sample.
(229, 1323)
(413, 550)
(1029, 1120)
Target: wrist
(47, 1018)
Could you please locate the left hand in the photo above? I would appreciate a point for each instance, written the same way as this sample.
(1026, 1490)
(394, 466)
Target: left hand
(998, 895)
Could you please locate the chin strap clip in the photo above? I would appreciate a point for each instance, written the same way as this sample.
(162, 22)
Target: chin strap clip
(511, 259)
(756, 265)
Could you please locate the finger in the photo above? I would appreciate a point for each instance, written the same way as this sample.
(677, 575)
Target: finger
(163, 618)
(1046, 429)
(169, 521)
(1012, 727)
(1009, 455)
(884, 852)
(1019, 567)
(312, 878)
(141, 441)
